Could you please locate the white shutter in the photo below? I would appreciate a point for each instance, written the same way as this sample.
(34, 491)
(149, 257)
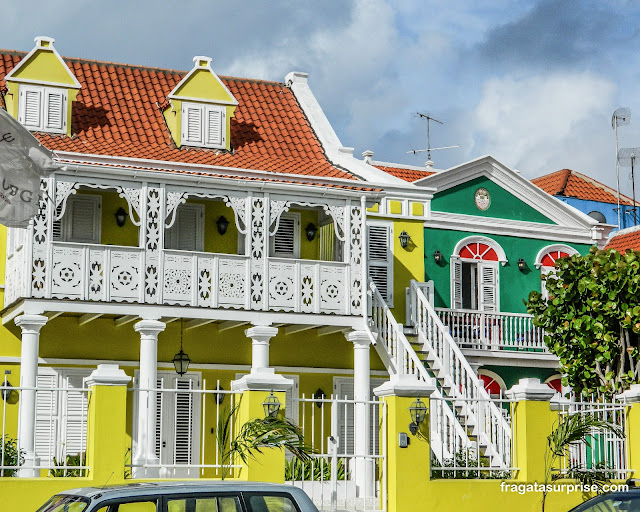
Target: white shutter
(56, 230)
(31, 107)
(184, 440)
(488, 286)
(47, 416)
(192, 117)
(215, 126)
(456, 283)
(187, 234)
(380, 258)
(54, 110)
(285, 243)
(292, 404)
(160, 406)
(83, 225)
(74, 415)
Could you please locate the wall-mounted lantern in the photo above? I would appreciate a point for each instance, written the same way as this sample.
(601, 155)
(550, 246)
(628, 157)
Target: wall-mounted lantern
(437, 257)
(121, 217)
(271, 406)
(222, 224)
(404, 239)
(311, 231)
(418, 411)
(522, 265)
(318, 396)
(6, 392)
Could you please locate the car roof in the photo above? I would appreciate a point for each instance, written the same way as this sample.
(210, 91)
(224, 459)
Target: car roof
(161, 488)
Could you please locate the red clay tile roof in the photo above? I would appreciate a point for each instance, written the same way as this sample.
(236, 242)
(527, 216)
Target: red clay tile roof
(625, 239)
(404, 173)
(570, 183)
(117, 113)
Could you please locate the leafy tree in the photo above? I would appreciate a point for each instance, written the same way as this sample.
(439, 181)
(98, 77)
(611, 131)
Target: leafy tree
(592, 319)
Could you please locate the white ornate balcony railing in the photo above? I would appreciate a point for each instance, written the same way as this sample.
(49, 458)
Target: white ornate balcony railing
(494, 331)
(109, 273)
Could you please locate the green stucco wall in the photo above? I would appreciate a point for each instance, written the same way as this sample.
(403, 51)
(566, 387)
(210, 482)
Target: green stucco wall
(515, 285)
(512, 374)
(504, 205)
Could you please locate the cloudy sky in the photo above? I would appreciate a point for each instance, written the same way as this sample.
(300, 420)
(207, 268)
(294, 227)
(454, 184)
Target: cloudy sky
(533, 83)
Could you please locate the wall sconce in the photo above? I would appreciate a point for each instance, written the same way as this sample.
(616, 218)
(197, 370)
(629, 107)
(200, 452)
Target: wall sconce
(522, 265)
(404, 239)
(219, 397)
(418, 411)
(6, 393)
(311, 231)
(222, 224)
(121, 217)
(437, 257)
(271, 406)
(181, 360)
(318, 396)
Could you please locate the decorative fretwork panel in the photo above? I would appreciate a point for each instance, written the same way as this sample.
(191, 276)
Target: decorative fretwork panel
(41, 236)
(152, 242)
(256, 237)
(178, 274)
(282, 285)
(355, 259)
(333, 288)
(232, 282)
(67, 272)
(125, 275)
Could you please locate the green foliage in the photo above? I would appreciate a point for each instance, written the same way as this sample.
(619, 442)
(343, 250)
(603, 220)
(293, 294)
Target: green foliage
(254, 436)
(12, 457)
(592, 318)
(317, 469)
(72, 469)
(467, 459)
(576, 428)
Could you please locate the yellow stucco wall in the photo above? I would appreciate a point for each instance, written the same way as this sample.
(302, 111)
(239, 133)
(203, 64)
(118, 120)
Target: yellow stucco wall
(408, 262)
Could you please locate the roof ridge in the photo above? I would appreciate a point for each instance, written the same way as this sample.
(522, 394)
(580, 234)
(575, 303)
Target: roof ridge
(596, 183)
(624, 231)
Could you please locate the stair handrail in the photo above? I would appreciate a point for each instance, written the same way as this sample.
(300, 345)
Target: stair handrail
(464, 370)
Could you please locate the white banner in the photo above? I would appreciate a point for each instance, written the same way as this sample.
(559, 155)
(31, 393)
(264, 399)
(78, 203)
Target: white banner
(23, 161)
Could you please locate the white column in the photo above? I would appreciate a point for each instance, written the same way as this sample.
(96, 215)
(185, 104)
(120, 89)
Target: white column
(30, 326)
(364, 466)
(145, 450)
(262, 377)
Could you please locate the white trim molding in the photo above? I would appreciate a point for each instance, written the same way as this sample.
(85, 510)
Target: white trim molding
(502, 257)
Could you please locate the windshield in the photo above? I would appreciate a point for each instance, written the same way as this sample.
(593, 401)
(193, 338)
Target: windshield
(611, 503)
(62, 503)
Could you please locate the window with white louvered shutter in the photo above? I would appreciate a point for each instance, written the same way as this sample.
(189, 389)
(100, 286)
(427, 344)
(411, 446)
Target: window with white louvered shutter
(81, 221)
(488, 284)
(74, 419)
(47, 415)
(285, 243)
(204, 125)
(187, 232)
(456, 283)
(43, 108)
(380, 258)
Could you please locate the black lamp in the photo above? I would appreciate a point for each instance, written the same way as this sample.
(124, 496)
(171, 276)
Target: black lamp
(271, 406)
(311, 231)
(318, 396)
(404, 239)
(418, 411)
(6, 393)
(219, 397)
(121, 217)
(181, 360)
(522, 264)
(437, 257)
(222, 224)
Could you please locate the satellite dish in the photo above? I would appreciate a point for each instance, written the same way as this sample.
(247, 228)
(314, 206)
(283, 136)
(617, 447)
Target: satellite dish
(621, 117)
(23, 161)
(628, 156)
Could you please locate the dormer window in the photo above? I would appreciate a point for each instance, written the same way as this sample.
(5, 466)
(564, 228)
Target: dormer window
(43, 108)
(204, 125)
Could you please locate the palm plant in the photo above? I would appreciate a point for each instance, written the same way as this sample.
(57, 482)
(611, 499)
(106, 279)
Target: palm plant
(572, 429)
(254, 436)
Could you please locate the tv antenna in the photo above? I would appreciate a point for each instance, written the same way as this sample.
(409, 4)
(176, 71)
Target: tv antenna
(627, 158)
(621, 117)
(429, 148)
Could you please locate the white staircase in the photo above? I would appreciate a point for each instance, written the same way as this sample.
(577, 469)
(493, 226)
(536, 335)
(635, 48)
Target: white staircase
(464, 416)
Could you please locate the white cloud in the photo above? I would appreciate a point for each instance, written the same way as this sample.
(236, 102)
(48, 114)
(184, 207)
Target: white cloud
(533, 123)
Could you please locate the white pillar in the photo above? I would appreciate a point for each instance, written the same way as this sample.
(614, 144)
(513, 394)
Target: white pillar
(145, 450)
(364, 466)
(30, 326)
(262, 377)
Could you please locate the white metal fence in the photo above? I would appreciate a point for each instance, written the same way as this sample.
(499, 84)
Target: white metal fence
(191, 428)
(604, 453)
(348, 466)
(484, 452)
(56, 444)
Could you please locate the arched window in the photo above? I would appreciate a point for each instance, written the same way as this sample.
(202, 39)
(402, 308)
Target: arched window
(493, 383)
(546, 260)
(555, 382)
(475, 274)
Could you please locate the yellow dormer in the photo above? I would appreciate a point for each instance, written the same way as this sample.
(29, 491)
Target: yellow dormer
(41, 89)
(201, 109)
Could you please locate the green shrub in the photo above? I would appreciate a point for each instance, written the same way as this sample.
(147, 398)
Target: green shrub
(467, 459)
(12, 457)
(297, 470)
(72, 460)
